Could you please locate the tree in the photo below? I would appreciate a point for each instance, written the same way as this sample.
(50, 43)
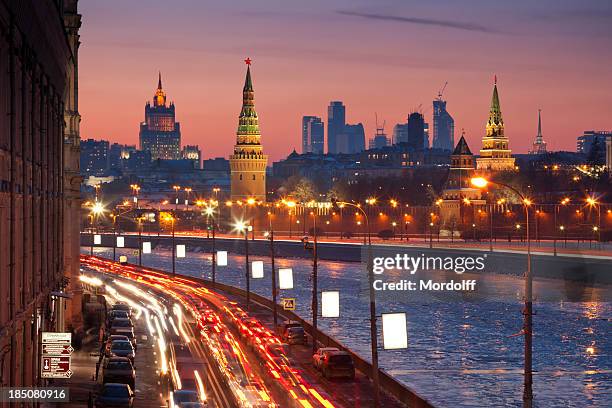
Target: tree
(304, 191)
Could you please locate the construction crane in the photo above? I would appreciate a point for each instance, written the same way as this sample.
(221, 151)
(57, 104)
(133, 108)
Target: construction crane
(441, 91)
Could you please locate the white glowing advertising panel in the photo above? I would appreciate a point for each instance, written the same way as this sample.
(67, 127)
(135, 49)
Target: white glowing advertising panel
(395, 332)
(221, 258)
(285, 278)
(257, 269)
(330, 304)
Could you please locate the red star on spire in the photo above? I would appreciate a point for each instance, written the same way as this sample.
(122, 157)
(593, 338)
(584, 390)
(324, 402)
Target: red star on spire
(247, 61)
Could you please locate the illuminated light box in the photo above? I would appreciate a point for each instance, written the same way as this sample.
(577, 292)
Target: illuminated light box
(180, 251)
(221, 258)
(395, 332)
(123, 259)
(97, 239)
(330, 304)
(146, 247)
(120, 242)
(285, 278)
(257, 269)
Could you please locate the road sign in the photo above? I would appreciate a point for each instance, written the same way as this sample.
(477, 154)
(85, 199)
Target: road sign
(288, 303)
(56, 352)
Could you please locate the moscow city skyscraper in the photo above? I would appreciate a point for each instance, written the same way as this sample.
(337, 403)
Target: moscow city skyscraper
(248, 163)
(160, 133)
(313, 135)
(443, 126)
(336, 119)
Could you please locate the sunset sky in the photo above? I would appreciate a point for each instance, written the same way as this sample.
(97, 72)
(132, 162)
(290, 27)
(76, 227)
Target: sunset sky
(386, 57)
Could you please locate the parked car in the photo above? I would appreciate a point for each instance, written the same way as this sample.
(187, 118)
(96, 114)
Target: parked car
(122, 306)
(180, 397)
(294, 335)
(116, 314)
(110, 340)
(121, 322)
(122, 328)
(119, 370)
(338, 364)
(115, 395)
(317, 358)
(122, 348)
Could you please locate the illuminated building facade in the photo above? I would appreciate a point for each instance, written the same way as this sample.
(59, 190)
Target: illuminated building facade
(248, 163)
(495, 154)
(160, 133)
(459, 196)
(39, 182)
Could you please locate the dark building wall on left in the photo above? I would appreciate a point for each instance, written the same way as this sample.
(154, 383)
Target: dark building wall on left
(37, 84)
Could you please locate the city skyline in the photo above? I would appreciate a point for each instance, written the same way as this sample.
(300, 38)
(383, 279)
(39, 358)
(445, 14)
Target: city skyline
(543, 63)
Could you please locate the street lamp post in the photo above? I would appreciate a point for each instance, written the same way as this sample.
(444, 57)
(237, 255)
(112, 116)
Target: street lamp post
(312, 248)
(139, 241)
(114, 236)
(172, 220)
(246, 266)
(176, 196)
(373, 331)
(491, 228)
(272, 261)
(210, 212)
(528, 310)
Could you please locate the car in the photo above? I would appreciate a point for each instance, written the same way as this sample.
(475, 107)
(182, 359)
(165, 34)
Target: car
(277, 349)
(122, 348)
(115, 395)
(180, 397)
(116, 314)
(338, 364)
(317, 357)
(294, 335)
(121, 322)
(123, 330)
(122, 306)
(119, 370)
(281, 328)
(110, 340)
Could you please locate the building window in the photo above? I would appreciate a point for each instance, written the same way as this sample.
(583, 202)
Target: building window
(253, 177)
(241, 177)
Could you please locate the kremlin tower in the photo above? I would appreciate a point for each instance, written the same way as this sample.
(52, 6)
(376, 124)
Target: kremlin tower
(539, 146)
(248, 163)
(495, 154)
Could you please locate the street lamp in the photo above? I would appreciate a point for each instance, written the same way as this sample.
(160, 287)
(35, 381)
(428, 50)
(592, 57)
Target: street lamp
(270, 236)
(97, 209)
(291, 206)
(592, 202)
(373, 332)
(176, 195)
(243, 227)
(312, 248)
(171, 219)
(210, 212)
(481, 182)
(188, 190)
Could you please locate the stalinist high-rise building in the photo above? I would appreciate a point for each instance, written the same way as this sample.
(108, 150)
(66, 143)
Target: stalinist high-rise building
(160, 133)
(248, 163)
(495, 154)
